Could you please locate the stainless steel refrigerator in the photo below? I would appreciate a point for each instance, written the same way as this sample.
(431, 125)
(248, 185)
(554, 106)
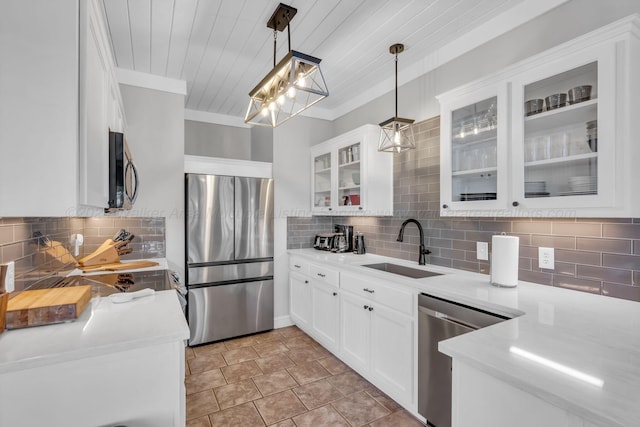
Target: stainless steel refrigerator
(229, 256)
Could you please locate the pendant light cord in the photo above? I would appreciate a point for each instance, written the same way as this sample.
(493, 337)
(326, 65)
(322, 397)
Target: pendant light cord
(275, 38)
(396, 84)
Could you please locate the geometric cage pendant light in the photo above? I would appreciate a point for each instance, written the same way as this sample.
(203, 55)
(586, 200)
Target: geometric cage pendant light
(292, 86)
(396, 133)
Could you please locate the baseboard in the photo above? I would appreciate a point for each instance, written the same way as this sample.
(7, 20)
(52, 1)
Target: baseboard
(282, 321)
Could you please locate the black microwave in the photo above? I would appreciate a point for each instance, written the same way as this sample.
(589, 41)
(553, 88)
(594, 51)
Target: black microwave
(123, 175)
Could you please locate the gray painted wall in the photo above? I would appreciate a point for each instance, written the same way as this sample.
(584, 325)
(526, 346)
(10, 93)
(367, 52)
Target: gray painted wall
(416, 99)
(292, 180)
(213, 140)
(262, 144)
(228, 142)
(156, 131)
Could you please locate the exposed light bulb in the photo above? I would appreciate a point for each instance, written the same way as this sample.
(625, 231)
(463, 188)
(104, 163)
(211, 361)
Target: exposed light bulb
(475, 130)
(281, 99)
(397, 137)
(291, 93)
(272, 106)
(461, 133)
(264, 112)
(302, 81)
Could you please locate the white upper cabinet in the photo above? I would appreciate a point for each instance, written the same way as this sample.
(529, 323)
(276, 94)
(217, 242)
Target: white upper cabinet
(58, 100)
(475, 160)
(350, 177)
(100, 106)
(561, 144)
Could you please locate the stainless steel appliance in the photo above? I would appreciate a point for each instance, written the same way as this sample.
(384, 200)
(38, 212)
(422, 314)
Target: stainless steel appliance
(347, 231)
(229, 241)
(324, 241)
(123, 175)
(439, 319)
(358, 244)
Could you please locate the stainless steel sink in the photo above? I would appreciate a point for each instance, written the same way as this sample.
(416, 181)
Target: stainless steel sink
(413, 273)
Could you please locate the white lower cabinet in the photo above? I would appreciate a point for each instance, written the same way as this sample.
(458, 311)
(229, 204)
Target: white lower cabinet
(368, 324)
(355, 328)
(378, 342)
(392, 352)
(300, 300)
(325, 314)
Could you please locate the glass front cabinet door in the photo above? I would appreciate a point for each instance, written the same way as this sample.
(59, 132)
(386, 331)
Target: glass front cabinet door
(473, 152)
(350, 177)
(322, 181)
(564, 134)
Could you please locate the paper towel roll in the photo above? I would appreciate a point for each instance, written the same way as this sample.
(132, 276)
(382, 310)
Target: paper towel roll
(504, 260)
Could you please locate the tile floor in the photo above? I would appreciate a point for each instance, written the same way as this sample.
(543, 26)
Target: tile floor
(281, 378)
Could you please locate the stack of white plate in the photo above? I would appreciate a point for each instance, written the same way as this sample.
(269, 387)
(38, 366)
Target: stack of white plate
(583, 184)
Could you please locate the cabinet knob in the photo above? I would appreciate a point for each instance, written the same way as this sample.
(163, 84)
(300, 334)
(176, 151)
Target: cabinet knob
(330, 208)
(335, 293)
(445, 206)
(515, 204)
(366, 307)
(296, 266)
(306, 281)
(370, 308)
(360, 207)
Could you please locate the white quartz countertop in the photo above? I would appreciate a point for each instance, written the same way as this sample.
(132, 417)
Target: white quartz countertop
(102, 328)
(589, 334)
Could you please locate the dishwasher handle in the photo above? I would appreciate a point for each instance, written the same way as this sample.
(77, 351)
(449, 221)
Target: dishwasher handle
(447, 318)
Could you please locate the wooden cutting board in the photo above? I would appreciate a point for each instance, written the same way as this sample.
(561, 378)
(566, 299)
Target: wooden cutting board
(46, 306)
(118, 266)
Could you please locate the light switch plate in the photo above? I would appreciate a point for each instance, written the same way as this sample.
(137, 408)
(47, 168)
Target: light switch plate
(482, 250)
(546, 258)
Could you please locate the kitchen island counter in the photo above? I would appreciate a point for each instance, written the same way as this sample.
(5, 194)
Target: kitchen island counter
(589, 334)
(116, 364)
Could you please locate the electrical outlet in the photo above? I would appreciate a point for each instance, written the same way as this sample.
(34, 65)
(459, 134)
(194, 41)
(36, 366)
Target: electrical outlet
(482, 250)
(546, 258)
(10, 277)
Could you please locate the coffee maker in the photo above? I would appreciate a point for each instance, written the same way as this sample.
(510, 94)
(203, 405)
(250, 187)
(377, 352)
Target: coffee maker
(347, 230)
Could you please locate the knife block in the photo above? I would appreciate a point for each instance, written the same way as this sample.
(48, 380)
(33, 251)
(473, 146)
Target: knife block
(105, 254)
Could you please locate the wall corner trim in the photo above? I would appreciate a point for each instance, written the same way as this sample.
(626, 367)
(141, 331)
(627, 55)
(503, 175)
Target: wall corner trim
(151, 81)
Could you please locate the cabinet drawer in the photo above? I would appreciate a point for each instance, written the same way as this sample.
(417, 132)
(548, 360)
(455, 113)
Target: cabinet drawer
(393, 296)
(299, 264)
(324, 274)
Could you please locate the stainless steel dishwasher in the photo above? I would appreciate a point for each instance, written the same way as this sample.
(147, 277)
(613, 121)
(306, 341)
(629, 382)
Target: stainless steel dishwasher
(440, 319)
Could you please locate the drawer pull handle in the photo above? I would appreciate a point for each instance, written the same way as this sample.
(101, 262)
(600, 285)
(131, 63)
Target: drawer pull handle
(296, 266)
(370, 308)
(335, 293)
(366, 307)
(368, 290)
(321, 275)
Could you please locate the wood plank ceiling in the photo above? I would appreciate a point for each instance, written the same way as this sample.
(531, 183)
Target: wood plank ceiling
(222, 49)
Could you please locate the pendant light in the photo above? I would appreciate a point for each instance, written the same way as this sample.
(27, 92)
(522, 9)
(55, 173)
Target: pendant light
(396, 134)
(293, 85)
